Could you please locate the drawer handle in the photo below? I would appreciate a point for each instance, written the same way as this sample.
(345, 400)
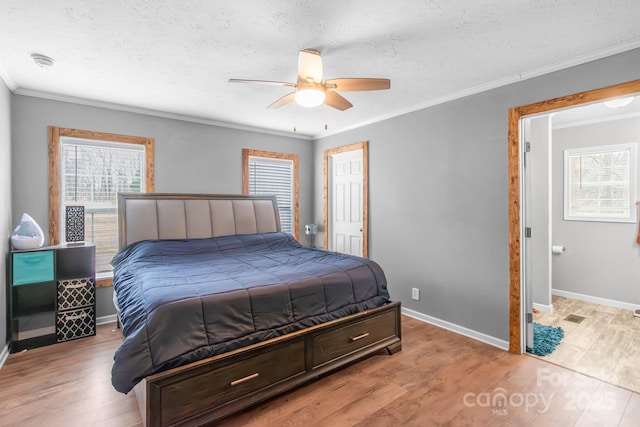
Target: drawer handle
(359, 337)
(245, 379)
(34, 260)
(76, 317)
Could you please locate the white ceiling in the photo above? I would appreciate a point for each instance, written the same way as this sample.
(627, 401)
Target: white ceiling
(174, 57)
(595, 113)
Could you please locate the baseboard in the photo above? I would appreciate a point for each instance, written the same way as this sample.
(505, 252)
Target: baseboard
(3, 355)
(478, 336)
(99, 321)
(111, 318)
(595, 300)
(543, 308)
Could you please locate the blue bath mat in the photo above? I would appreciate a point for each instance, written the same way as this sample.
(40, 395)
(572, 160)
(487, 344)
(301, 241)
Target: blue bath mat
(545, 339)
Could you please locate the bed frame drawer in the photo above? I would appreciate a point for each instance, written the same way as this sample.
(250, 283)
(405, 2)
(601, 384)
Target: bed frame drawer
(340, 342)
(226, 383)
(201, 392)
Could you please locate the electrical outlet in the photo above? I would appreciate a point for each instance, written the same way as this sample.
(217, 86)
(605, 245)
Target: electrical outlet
(415, 294)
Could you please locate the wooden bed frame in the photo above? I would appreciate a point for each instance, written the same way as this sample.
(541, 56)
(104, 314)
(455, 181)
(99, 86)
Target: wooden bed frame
(210, 389)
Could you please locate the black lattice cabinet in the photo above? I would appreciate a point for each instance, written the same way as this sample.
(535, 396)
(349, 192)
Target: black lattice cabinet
(52, 295)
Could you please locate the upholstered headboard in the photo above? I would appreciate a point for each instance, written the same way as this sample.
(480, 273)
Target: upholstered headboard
(152, 216)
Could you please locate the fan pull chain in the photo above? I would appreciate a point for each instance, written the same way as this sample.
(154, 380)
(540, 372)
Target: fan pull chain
(325, 116)
(295, 109)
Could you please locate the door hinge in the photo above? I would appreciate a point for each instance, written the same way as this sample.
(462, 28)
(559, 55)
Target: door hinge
(527, 147)
(529, 317)
(527, 232)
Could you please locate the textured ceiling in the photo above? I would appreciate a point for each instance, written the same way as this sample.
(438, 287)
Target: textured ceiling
(175, 57)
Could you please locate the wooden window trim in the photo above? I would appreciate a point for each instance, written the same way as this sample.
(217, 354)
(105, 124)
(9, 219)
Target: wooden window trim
(247, 152)
(54, 145)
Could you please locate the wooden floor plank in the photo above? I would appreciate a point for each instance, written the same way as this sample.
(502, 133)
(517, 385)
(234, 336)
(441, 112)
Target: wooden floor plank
(606, 407)
(439, 378)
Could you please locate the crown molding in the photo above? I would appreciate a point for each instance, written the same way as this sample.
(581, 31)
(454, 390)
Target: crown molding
(7, 80)
(154, 113)
(562, 65)
(579, 60)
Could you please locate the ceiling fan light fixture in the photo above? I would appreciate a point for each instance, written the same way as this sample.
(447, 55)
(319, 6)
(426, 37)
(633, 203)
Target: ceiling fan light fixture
(311, 90)
(310, 97)
(619, 102)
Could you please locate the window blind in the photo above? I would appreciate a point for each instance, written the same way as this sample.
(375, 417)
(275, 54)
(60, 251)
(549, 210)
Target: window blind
(269, 176)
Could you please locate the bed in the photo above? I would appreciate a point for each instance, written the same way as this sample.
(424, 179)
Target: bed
(258, 313)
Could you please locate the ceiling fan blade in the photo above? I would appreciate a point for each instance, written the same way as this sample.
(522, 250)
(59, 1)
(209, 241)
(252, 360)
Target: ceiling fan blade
(283, 101)
(355, 84)
(262, 82)
(309, 66)
(336, 101)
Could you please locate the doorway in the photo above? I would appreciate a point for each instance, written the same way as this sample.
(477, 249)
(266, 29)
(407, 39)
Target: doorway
(518, 314)
(579, 179)
(346, 194)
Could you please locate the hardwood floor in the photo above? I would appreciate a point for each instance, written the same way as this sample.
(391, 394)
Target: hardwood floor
(605, 345)
(439, 378)
(66, 384)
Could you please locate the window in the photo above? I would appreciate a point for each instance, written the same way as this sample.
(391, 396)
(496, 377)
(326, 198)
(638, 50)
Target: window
(600, 183)
(264, 172)
(89, 169)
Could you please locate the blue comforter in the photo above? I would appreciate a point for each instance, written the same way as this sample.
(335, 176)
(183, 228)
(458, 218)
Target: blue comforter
(185, 300)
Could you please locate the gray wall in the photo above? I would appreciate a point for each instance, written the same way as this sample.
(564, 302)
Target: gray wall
(189, 157)
(602, 259)
(5, 202)
(438, 194)
(438, 182)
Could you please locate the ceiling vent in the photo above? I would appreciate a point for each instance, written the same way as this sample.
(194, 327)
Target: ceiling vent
(42, 60)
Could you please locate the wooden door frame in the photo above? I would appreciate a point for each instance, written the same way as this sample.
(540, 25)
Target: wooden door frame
(515, 114)
(364, 146)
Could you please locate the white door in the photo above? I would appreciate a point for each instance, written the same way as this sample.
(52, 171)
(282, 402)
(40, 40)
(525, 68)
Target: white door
(345, 202)
(527, 242)
(536, 144)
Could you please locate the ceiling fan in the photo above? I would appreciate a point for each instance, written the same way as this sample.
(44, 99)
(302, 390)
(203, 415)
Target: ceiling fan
(310, 90)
